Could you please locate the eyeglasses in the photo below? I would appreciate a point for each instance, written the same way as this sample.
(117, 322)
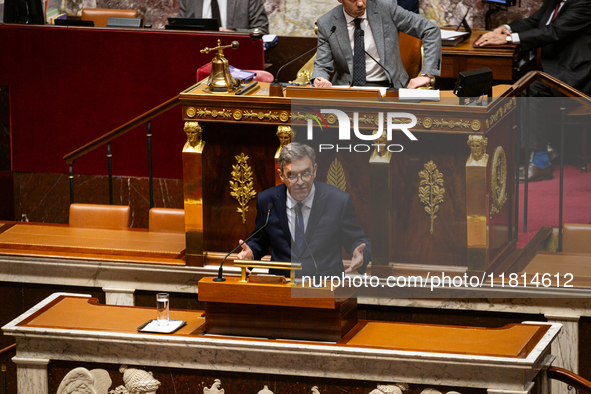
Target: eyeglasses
(294, 177)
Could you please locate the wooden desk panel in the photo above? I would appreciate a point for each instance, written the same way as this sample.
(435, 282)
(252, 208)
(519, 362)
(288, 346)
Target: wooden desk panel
(509, 341)
(502, 61)
(573, 269)
(81, 313)
(64, 241)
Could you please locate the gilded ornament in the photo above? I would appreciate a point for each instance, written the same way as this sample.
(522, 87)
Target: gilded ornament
(477, 144)
(427, 123)
(204, 112)
(284, 116)
(336, 175)
(498, 181)
(475, 125)
(284, 133)
(242, 184)
(431, 194)
(261, 115)
(190, 111)
(237, 115)
(331, 118)
(464, 124)
(194, 133)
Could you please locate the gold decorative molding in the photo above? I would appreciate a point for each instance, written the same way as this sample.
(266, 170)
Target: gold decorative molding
(498, 181)
(242, 184)
(260, 115)
(336, 175)
(501, 112)
(214, 113)
(432, 193)
(452, 124)
(190, 111)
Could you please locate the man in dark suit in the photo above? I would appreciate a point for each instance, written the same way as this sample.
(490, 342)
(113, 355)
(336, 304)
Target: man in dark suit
(311, 222)
(373, 26)
(234, 15)
(560, 33)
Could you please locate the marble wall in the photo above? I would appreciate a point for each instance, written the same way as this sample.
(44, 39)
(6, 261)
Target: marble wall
(42, 197)
(297, 17)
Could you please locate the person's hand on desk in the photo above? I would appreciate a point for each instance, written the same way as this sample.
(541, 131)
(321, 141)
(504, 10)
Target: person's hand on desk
(496, 37)
(356, 259)
(417, 82)
(322, 83)
(224, 29)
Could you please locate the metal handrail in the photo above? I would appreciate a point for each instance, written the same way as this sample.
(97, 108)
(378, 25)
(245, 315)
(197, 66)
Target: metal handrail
(522, 84)
(4, 353)
(146, 117)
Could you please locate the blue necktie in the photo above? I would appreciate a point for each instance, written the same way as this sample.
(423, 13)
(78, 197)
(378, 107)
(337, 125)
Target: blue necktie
(299, 230)
(359, 72)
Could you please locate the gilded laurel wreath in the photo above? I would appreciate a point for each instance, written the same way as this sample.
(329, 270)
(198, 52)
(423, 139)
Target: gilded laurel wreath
(242, 184)
(498, 181)
(432, 193)
(336, 175)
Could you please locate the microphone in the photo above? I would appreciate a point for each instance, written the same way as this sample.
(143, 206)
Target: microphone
(276, 83)
(391, 87)
(220, 277)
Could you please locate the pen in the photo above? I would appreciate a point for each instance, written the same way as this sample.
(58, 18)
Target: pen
(246, 88)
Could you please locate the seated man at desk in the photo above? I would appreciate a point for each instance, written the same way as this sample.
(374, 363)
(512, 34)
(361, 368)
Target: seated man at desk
(560, 32)
(310, 222)
(356, 27)
(233, 15)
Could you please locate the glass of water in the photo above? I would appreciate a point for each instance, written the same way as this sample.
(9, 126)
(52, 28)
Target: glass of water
(162, 302)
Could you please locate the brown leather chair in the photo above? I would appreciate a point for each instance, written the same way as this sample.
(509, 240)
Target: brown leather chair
(411, 54)
(100, 216)
(100, 15)
(166, 220)
(576, 238)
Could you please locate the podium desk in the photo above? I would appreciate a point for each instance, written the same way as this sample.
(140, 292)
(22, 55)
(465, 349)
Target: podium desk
(472, 228)
(498, 360)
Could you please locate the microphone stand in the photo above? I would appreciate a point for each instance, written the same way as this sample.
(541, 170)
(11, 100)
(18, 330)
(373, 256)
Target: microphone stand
(276, 89)
(220, 277)
(391, 91)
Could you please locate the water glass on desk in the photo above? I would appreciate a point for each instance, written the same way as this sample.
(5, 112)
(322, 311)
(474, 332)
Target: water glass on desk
(162, 308)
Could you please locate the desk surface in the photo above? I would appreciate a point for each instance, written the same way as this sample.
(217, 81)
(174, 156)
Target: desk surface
(572, 269)
(64, 241)
(515, 340)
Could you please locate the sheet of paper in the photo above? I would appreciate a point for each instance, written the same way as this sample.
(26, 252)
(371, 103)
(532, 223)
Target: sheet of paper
(418, 95)
(451, 34)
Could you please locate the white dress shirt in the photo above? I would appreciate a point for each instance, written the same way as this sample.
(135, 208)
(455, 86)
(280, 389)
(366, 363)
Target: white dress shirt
(374, 72)
(206, 13)
(290, 205)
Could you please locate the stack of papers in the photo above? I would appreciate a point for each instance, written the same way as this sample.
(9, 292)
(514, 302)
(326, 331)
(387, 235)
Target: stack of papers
(418, 95)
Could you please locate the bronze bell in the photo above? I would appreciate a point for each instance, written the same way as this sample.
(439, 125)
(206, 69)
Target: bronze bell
(220, 79)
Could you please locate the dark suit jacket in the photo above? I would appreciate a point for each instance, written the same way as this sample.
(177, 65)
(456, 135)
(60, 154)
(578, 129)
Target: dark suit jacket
(242, 15)
(331, 227)
(566, 42)
(386, 20)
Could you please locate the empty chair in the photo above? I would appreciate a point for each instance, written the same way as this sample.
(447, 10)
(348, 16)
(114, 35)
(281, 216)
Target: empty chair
(100, 15)
(100, 216)
(167, 220)
(576, 238)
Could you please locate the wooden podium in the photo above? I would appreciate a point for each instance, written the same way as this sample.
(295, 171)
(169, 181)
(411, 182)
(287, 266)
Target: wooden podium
(277, 311)
(446, 199)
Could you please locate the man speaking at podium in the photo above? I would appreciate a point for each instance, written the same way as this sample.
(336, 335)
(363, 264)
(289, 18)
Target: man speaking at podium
(309, 221)
(356, 27)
